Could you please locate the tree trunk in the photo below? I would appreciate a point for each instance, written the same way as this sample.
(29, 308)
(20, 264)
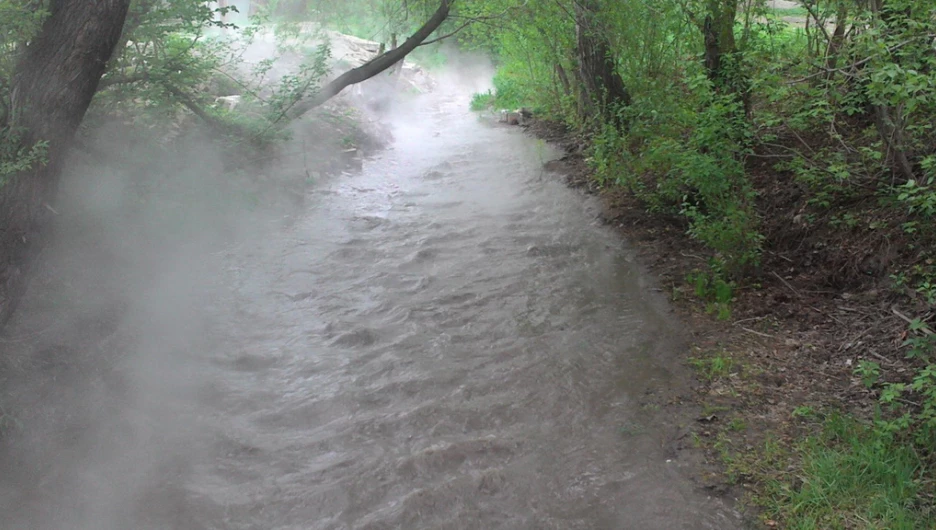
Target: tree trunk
(56, 78)
(603, 88)
(718, 32)
(889, 120)
(837, 40)
(891, 127)
(564, 80)
(723, 61)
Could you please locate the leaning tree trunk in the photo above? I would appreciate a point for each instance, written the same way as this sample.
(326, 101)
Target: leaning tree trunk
(602, 88)
(56, 77)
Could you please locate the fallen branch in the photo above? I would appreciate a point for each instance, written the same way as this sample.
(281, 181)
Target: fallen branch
(765, 335)
(881, 357)
(196, 109)
(217, 125)
(797, 293)
(817, 310)
(924, 328)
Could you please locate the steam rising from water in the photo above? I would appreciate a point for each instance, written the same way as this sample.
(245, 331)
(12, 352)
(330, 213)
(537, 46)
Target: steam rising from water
(107, 364)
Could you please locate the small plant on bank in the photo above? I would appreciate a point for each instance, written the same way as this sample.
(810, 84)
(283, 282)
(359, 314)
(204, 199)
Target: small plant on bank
(909, 405)
(717, 366)
(804, 412)
(711, 287)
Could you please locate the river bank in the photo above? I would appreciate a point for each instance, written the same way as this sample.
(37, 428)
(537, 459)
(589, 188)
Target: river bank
(779, 367)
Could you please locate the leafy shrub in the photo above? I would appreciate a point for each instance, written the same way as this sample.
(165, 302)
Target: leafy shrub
(483, 100)
(686, 157)
(509, 91)
(14, 159)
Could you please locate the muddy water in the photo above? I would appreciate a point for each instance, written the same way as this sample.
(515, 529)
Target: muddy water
(445, 340)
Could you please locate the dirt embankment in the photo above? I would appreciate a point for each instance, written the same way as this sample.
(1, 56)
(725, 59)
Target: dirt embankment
(821, 303)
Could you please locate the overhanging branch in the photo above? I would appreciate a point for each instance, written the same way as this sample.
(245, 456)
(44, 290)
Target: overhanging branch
(374, 66)
(467, 23)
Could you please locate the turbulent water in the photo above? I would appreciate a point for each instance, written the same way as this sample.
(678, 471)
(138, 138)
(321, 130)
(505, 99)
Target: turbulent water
(446, 339)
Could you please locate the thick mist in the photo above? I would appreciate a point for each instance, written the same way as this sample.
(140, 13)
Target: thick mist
(109, 346)
(110, 360)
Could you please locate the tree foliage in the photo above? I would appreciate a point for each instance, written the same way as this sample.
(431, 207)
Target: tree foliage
(713, 82)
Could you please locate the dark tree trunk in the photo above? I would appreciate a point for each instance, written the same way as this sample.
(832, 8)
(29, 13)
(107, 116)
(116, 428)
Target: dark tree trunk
(718, 32)
(889, 120)
(723, 61)
(564, 80)
(837, 40)
(603, 88)
(55, 80)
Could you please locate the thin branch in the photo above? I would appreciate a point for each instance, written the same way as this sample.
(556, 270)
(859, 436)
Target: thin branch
(824, 71)
(797, 293)
(241, 84)
(110, 81)
(758, 333)
(447, 35)
(809, 8)
(564, 8)
(925, 329)
(467, 23)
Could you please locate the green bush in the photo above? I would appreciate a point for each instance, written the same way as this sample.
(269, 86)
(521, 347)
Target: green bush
(483, 101)
(686, 157)
(509, 91)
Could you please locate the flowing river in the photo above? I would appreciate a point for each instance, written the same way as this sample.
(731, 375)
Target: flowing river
(445, 339)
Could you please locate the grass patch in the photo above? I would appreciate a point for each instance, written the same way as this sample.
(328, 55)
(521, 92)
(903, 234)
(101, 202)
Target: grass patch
(737, 425)
(716, 366)
(853, 476)
(790, 12)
